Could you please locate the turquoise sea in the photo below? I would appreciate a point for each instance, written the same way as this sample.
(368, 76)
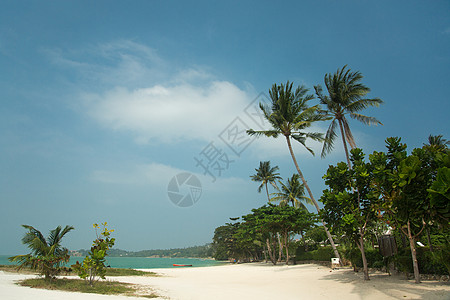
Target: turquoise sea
(140, 262)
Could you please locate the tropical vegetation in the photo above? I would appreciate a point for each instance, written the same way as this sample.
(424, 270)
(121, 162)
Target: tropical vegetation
(395, 195)
(47, 255)
(256, 236)
(93, 266)
(290, 115)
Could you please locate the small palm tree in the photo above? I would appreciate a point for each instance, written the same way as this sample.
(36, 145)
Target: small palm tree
(266, 174)
(293, 192)
(47, 255)
(345, 97)
(289, 115)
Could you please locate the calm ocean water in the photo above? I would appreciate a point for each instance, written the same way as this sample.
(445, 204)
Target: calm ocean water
(140, 262)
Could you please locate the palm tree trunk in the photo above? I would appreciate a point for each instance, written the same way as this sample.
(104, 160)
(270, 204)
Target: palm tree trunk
(330, 238)
(345, 144)
(267, 191)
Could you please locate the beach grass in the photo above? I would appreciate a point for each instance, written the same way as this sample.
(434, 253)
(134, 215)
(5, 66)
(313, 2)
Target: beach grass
(14, 269)
(109, 271)
(128, 272)
(81, 286)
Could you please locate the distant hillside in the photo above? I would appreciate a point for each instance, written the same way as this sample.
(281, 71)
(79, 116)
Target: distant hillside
(196, 251)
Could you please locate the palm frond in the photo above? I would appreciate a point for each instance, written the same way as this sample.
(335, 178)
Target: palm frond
(330, 137)
(260, 187)
(363, 104)
(21, 260)
(32, 234)
(315, 136)
(53, 237)
(365, 119)
(348, 134)
(302, 140)
(298, 204)
(437, 143)
(268, 133)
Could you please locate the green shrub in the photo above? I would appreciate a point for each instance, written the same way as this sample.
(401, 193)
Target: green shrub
(429, 262)
(373, 257)
(321, 254)
(93, 265)
(353, 255)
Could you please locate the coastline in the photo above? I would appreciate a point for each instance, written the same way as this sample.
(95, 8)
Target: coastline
(252, 281)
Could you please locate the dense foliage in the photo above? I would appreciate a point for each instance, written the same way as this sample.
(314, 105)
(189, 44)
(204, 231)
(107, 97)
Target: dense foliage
(351, 202)
(267, 232)
(408, 192)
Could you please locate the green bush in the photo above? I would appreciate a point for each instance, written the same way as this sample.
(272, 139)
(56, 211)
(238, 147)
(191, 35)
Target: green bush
(429, 262)
(373, 257)
(353, 255)
(321, 254)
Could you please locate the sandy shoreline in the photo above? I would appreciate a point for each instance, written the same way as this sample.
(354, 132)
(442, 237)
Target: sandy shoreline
(251, 281)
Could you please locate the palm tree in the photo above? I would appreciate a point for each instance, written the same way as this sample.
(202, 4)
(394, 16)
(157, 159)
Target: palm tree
(437, 143)
(266, 174)
(292, 192)
(345, 97)
(289, 115)
(47, 255)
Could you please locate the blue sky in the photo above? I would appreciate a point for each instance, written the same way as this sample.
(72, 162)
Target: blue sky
(103, 102)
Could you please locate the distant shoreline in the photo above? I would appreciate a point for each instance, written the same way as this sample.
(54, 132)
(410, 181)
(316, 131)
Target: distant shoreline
(127, 262)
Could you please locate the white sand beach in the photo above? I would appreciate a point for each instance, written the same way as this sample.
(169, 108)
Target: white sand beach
(252, 281)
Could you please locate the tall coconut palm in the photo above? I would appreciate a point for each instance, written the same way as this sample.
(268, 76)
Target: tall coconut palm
(47, 255)
(345, 97)
(289, 115)
(293, 192)
(266, 174)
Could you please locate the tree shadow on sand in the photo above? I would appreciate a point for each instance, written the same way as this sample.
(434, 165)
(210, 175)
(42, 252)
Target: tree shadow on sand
(394, 286)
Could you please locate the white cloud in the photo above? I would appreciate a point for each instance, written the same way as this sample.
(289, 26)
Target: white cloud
(159, 175)
(180, 104)
(154, 174)
(168, 113)
(119, 63)
(128, 87)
